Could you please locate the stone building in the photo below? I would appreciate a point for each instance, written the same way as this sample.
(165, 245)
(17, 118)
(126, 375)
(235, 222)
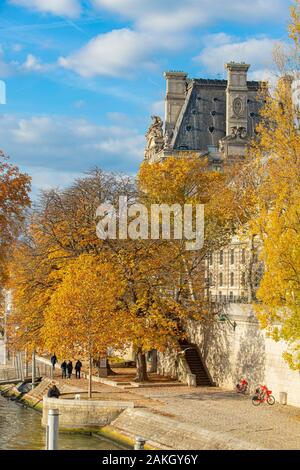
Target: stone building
(216, 119)
(213, 119)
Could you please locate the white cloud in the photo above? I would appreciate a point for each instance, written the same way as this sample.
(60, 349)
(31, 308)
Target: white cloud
(5, 67)
(17, 47)
(158, 108)
(111, 54)
(32, 64)
(117, 117)
(119, 52)
(47, 178)
(70, 145)
(79, 104)
(69, 8)
(222, 48)
(157, 27)
(157, 15)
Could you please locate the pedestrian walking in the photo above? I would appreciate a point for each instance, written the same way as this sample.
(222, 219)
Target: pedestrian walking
(53, 360)
(78, 366)
(63, 370)
(69, 369)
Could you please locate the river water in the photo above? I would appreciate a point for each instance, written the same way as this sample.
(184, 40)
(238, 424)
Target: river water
(20, 429)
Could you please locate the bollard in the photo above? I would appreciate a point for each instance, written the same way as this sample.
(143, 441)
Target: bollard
(139, 443)
(283, 398)
(52, 430)
(33, 370)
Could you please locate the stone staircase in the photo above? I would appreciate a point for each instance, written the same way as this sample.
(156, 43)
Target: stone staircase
(196, 366)
(41, 390)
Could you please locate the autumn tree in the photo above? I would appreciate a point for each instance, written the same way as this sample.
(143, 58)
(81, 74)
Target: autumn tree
(181, 180)
(14, 199)
(276, 156)
(60, 228)
(85, 315)
(162, 282)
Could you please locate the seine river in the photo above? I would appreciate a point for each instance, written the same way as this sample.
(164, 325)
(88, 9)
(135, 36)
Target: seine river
(20, 429)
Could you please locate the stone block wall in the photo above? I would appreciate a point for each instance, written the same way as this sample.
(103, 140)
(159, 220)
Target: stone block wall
(244, 352)
(83, 413)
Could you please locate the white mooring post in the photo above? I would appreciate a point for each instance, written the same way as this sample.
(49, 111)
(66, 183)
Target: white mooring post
(52, 430)
(139, 443)
(33, 370)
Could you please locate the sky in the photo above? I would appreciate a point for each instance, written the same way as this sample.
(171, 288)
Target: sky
(83, 77)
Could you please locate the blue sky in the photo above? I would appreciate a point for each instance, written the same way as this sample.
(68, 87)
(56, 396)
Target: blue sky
(84, 77)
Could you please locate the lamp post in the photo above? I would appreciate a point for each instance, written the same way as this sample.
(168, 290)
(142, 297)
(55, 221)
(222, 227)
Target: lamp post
(223, 317)
(33, 370)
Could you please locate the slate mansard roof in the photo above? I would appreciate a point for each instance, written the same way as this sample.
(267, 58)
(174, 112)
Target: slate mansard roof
(202, 120)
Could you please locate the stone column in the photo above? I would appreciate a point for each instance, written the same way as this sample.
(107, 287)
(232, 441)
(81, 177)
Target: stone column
(236, 96)
(175, 97)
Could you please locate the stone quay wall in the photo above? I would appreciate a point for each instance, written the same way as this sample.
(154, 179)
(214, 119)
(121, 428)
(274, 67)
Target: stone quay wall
(162, 432)
(84, 413)
(232, 354)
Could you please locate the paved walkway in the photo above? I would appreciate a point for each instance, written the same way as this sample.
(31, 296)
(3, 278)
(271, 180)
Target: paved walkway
(272, 427)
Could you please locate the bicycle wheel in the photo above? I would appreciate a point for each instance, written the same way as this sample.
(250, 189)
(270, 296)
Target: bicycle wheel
(271, 400)
(255, 401)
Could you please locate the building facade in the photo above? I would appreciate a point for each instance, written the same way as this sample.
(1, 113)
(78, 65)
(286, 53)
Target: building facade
(216, 119)
(209, 118)
(213, 119)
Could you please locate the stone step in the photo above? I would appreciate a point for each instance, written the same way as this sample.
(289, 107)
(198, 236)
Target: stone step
(195, 364)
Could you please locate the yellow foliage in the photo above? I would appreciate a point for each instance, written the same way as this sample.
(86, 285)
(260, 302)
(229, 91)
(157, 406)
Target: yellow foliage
(277, 220)
(85, 315)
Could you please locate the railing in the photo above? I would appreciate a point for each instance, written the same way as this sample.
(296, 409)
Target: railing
(15, 373)
(227, 299)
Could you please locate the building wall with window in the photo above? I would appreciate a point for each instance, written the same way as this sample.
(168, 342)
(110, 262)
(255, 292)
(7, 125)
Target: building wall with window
(227, 272)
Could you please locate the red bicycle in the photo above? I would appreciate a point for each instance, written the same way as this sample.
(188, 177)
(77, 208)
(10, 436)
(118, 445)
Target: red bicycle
(242, 387)
(263, 394)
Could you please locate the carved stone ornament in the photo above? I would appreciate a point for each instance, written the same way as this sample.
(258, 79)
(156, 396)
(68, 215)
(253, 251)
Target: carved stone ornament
(238, 107)
(238, 135)
(167, 139)
(154, 137)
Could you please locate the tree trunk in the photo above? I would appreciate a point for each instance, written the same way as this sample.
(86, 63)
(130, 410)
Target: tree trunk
(153, 368)
(90, 377)
(109, 369)
(141, 367)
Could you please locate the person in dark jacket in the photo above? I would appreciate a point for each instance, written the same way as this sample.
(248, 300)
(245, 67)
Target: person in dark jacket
(69, 369)
(53, 360)
(63, 370)
(78, 366)
(53, 392)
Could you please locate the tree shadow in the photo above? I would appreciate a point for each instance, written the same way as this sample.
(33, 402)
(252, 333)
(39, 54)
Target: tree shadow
(251, 357)
(213, 342)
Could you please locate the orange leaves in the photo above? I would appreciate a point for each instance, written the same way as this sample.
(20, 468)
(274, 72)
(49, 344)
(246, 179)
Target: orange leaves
(295, 24)
(14, 198)
(84, 315)
(277, 218)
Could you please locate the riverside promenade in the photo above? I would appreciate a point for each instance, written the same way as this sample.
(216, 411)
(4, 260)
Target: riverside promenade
(172, 415)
